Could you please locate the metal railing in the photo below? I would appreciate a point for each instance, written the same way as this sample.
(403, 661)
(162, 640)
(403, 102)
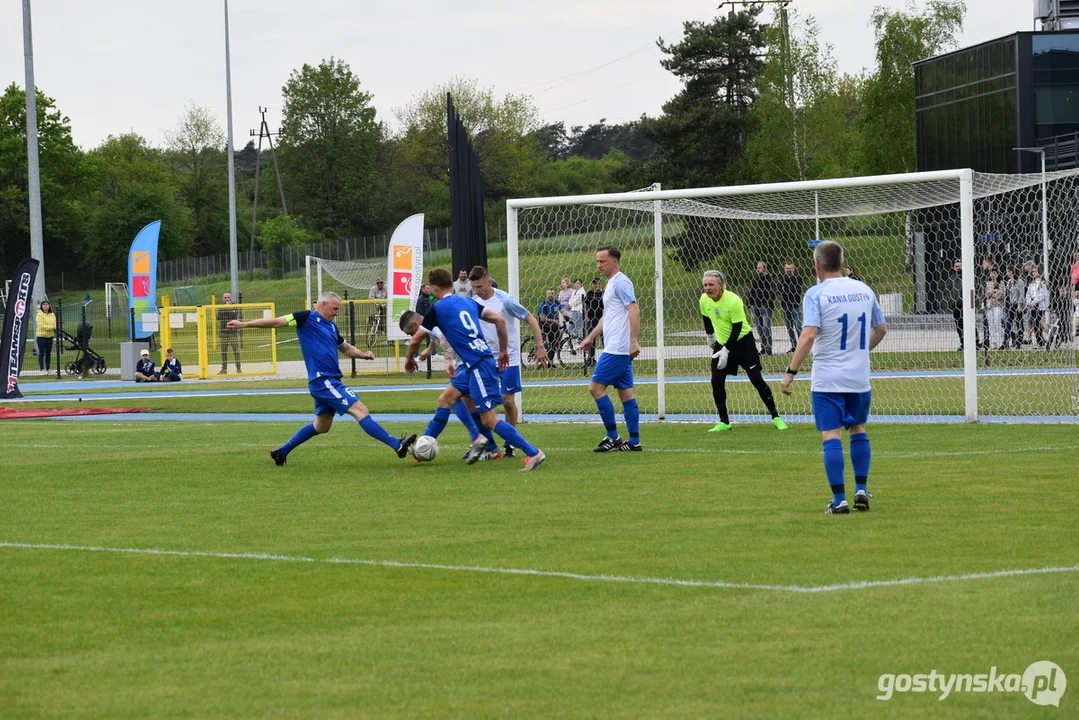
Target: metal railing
(1061, 151)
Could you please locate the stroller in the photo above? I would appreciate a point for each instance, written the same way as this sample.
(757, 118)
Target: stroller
(80, 343)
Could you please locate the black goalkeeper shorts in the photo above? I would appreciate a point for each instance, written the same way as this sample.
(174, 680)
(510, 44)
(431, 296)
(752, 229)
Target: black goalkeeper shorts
(744, 354)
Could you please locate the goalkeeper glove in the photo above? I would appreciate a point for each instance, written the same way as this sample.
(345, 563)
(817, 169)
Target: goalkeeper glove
(720, 357)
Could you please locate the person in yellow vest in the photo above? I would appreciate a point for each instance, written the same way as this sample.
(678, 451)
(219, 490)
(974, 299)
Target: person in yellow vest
(46, 331)
(726, 324)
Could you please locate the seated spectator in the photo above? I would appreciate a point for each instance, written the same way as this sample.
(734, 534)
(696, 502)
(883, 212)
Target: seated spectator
(548, 316)
(171, 371)
(144, 368)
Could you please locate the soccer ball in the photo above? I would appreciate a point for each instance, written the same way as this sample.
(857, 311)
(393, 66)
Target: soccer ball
(425, 449)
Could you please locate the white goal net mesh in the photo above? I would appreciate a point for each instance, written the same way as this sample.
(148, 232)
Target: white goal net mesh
(901, 238)
(340, 276)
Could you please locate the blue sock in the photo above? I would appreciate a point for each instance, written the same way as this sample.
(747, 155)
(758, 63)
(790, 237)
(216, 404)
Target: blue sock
(606, 413)
(633, 420)
(833, 468)
(302, 435)
(860, 454)
(467, 419)
(372, 428)
(481, 429)
(509, 433)
(438, 422)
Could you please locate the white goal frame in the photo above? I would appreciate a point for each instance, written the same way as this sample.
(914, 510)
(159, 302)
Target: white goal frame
(966, 212)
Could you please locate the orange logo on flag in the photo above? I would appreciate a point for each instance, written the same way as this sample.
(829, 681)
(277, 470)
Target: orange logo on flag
(402, 257)
(140, 263)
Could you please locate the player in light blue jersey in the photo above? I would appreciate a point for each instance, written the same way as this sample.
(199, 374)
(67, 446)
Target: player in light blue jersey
(320, 342)
(513, 313)
(620, 324)
(459, 320)
(842, 323)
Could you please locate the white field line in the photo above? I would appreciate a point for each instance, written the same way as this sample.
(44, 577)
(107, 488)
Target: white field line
(812, 451)
(279, 342)
(716, 584)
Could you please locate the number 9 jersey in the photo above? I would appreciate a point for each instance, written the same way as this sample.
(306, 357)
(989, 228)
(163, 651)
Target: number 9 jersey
(843, 311)
(459, 320)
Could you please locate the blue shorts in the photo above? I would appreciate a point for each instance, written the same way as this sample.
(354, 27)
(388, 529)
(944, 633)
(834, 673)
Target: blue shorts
(460, 380)
(332, 396)
(511, 380)
(483, 385)
(614, 370)
(833, 410)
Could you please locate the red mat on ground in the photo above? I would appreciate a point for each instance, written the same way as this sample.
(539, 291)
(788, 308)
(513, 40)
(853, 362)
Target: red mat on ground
(13, 414)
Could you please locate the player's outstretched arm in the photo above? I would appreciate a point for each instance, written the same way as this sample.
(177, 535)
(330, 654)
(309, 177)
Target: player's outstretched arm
(354, 352)
(259, 323)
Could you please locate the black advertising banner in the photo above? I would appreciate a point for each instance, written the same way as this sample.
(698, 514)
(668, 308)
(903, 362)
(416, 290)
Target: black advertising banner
(16, 318)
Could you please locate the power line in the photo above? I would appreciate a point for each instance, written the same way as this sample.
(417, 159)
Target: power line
(559, 81)
(598, 95)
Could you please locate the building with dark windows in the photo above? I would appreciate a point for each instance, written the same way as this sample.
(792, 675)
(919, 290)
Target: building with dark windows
(974, 106)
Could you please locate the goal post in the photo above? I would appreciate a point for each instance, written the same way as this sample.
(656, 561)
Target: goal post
(901, 234)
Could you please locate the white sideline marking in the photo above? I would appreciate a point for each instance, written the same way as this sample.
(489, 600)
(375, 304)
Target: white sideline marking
(687, 451)
(860, 585)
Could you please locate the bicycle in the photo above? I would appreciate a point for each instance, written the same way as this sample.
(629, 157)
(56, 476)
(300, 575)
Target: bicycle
(375, 333)
(563, 348)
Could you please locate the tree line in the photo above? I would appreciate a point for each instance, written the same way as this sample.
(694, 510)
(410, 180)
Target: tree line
(762, 100)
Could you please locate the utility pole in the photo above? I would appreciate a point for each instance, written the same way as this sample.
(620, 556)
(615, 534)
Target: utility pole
(234, 255)
(262, 132)
(37, 245)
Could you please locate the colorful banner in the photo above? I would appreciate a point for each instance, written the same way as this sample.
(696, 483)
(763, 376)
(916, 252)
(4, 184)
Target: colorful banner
(142, 279)
(16, 318)
(404, 268)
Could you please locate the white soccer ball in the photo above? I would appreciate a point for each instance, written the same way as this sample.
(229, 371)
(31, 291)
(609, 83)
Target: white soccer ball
(425, 449)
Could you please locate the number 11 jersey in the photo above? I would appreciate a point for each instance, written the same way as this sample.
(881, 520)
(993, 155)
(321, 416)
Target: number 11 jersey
(843, 311)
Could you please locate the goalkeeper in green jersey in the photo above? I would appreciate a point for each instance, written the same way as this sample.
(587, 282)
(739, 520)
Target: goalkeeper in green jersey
(732, 346)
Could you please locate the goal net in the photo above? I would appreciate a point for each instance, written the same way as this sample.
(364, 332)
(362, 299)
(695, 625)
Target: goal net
(341, 276)
(901, 234)
(116, 309)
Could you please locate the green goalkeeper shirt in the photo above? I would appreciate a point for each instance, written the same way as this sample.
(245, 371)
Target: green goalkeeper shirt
(724, 313)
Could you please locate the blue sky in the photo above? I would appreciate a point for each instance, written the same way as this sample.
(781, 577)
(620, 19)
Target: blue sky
(123, 65)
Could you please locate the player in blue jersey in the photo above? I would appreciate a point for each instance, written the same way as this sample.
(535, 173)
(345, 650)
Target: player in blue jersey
(463, 408)
(459, 320)
(513, 313)
(620, 324)
(842, 323)
(320, 342)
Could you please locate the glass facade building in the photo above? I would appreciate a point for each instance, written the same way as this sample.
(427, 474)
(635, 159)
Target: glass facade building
(975, 105)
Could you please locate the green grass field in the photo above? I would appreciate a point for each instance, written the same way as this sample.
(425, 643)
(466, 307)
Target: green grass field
(999, 395)
(251, 618)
